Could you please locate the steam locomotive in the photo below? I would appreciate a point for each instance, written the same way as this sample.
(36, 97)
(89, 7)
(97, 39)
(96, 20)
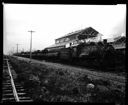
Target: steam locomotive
(98, 54)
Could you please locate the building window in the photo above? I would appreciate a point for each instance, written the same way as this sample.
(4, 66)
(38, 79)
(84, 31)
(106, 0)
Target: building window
(57, 41)
(61, 40)
(72, 37)
(75, 42)
(66, 39)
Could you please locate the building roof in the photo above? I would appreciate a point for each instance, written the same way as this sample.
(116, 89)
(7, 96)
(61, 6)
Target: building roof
(121, 39)
(119, 42)
(72, 33)
(119, 46)
(82, 31)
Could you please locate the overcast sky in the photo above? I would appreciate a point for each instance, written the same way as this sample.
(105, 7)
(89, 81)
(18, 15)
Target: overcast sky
(53, 21)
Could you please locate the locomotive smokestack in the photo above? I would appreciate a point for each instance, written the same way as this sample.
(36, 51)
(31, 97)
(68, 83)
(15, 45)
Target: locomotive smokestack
(105, 41)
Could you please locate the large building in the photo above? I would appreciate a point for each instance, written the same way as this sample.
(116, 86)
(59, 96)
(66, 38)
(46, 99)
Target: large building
(73, 39)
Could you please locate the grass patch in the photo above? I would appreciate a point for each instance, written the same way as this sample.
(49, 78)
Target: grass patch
(48, 84)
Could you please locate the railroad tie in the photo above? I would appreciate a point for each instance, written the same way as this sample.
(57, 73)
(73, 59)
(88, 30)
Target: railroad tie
(12, 92)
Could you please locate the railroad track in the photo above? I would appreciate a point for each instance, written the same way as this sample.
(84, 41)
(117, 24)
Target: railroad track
(11, 90)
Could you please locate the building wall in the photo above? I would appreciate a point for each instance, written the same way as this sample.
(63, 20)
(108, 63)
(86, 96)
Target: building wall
(72, 39)
(66, 39)
(95, 39)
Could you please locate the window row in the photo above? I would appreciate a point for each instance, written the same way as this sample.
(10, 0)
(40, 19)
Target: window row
(73, 37)
(62, 40)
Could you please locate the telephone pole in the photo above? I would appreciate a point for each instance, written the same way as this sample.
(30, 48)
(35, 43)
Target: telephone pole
(17, 48)
(31, 44)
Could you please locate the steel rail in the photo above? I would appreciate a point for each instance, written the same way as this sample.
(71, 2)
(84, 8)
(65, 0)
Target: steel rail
(12, 83)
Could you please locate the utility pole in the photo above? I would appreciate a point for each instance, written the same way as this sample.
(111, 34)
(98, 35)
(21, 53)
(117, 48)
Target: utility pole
(17, 48)
(31, 44)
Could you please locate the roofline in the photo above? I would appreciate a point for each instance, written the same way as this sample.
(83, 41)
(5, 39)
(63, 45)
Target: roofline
(70, 34)
(78, 31)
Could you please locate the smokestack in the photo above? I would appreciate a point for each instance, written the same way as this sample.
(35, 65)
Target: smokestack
(105, 41)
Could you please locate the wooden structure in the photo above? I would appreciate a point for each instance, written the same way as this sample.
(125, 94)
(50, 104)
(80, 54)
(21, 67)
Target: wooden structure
(73, 39)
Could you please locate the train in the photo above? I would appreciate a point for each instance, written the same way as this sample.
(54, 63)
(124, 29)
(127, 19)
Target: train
(100, 55)
(91, 54)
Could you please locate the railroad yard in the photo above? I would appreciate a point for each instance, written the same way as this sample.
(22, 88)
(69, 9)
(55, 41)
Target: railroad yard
(64, 53)
(90, 72)
(56, 82)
